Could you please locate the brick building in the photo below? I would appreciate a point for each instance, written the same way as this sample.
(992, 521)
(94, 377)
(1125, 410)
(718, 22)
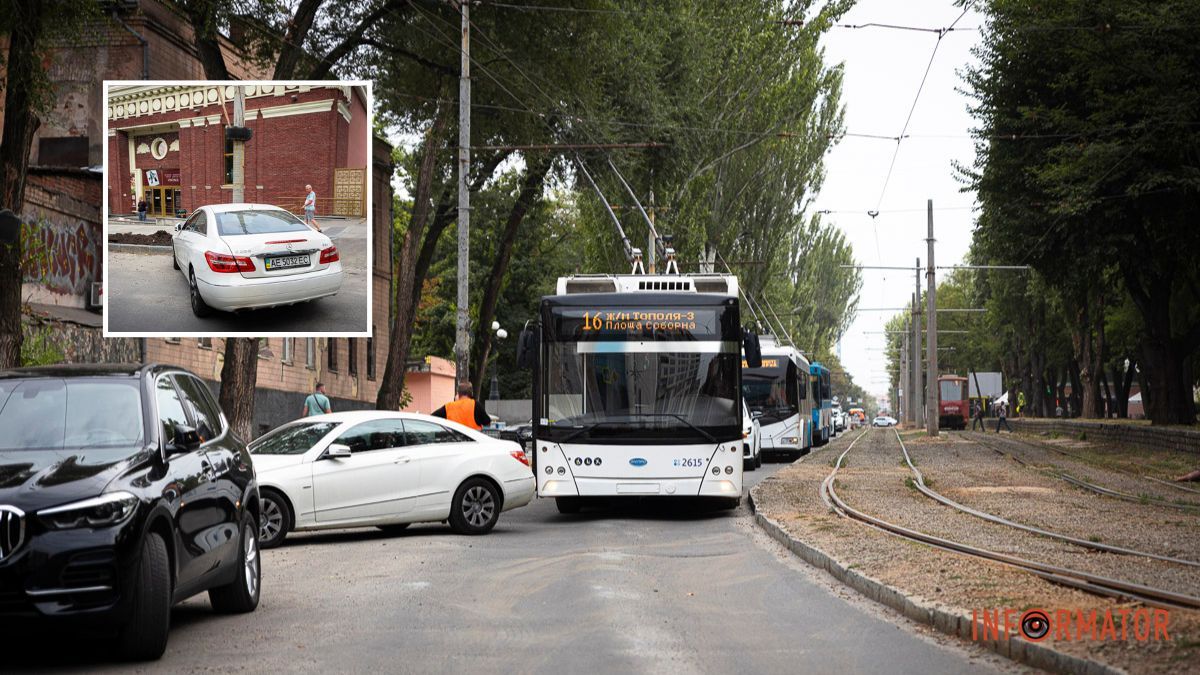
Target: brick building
(63, 198)
(167, 144)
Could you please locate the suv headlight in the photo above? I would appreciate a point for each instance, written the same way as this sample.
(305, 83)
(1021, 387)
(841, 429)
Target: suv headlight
(107, 509)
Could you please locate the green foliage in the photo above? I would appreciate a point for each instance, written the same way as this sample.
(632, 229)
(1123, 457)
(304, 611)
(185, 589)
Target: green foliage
(39, 348)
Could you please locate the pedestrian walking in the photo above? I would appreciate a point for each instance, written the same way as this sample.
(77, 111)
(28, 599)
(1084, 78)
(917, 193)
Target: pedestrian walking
(317, 402)
(1002, 417)
(977, 417)
(310, 208)
(464, 409)
(142, 208)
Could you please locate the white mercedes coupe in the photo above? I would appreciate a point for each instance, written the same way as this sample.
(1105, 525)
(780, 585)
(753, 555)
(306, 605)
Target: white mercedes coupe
(252, 256)
(387, 470)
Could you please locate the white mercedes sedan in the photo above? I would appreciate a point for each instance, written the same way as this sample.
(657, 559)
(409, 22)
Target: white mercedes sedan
(252, 256)
(387, 470)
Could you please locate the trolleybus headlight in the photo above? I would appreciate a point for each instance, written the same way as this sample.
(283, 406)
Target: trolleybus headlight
(791, 440)
(716, 471)
(729, 469)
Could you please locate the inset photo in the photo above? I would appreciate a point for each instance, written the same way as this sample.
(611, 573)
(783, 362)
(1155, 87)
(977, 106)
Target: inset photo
(237, 208)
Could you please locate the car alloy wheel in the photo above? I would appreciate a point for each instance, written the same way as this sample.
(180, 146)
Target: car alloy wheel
(478, 506)
(272, 520)
(199, 307)
(251, 567)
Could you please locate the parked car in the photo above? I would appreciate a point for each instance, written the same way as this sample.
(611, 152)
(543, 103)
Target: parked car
(883, 421)
(751, 440)
(839, 422)
(387, 470)
(250, 256)
(124, 492)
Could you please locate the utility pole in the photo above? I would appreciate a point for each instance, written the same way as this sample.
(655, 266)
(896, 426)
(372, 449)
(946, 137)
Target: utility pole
(931, 394)
(905, 378)
(650, 245)
(239, 147)
(914, 358)
(462, 336)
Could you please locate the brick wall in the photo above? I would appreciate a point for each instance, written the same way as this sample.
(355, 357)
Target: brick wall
(66, 254)
(1124, 434)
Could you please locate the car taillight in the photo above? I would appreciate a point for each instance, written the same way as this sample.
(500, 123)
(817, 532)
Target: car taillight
(329, 255)
(227, 264)
(519, 455)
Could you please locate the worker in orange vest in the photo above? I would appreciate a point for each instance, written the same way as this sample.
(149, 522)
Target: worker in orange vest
(464, 409)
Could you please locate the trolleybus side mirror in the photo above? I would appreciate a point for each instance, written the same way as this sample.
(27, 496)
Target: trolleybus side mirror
(752, 350)
(526, 349)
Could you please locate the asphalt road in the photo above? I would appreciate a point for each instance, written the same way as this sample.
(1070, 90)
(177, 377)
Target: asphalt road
(639, 589)
(145, 295)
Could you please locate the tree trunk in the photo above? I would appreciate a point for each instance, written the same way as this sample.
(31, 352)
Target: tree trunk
(1087, 338)
(1076, 397)
(391, 385)
(1124, 384)
(20, 123)
(1164, 354)
(239, 378)
(531, 193)
(292, 47)
(202, 14)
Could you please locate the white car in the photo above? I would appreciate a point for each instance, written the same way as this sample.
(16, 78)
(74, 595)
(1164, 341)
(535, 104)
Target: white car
(387, 470)
(251, 256)
(839, 421)
(751, 440)
(883, 421)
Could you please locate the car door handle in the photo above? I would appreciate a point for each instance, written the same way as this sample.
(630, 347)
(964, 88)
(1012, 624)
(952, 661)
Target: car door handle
(402, 460)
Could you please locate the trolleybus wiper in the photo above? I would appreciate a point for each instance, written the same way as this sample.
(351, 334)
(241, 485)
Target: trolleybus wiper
(683, 419)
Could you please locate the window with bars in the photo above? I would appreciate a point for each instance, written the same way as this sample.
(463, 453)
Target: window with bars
(310, 353)
(204, 343)
(352, 356)
(331, 354)
(228, 162)
(287, 349)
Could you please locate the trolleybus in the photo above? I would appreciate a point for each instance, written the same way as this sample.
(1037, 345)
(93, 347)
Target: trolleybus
(637, 388)
(777, 393)
(822, 404)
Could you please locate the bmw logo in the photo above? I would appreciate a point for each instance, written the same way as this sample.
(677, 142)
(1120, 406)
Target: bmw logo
(637, 461)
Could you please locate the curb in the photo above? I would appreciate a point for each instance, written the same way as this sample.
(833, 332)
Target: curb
(945, 620)
(142, 249)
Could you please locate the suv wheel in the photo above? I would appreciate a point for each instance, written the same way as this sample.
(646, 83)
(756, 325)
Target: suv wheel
(241, 595)
(144, 638)
(476, 507)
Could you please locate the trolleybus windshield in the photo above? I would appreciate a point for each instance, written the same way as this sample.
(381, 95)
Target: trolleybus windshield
(641, 374)
(773, 389)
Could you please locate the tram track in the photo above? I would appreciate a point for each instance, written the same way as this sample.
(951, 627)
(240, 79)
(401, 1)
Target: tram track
(1096, 584)
(1080, 483)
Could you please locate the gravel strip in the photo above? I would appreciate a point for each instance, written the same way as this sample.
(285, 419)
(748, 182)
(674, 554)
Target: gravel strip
(874, 481)
(974, 476)
(1037, 454)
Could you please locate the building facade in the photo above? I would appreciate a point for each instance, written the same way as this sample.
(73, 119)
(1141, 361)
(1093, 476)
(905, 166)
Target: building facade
(169, 145)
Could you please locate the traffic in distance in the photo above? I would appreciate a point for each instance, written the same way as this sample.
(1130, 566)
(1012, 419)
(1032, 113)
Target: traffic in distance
(128, 492)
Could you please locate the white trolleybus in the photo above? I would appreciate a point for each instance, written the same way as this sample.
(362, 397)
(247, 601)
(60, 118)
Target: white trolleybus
(777, 395)
(637, 388)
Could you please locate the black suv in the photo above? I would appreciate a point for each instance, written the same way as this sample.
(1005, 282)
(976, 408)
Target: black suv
(122, 491)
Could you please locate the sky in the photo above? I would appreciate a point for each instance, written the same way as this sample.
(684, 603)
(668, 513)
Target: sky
(883, 72)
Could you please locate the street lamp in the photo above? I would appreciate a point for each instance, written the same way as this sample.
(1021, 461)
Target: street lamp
(500, 334)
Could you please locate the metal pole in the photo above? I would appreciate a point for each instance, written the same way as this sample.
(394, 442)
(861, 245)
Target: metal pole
(931, 393)
(651, 245)
(905, 378)
(462, 336)
(239, 147)
(915, 357)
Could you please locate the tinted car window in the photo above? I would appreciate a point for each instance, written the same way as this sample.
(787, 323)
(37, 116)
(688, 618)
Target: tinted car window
(258, 222)
(373, 435)
(205, 410)
(292, 439)
(197, 223)
(422, 433)
(170, 408)
(40, 414)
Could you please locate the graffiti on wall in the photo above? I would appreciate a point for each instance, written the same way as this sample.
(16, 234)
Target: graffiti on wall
(63, 257)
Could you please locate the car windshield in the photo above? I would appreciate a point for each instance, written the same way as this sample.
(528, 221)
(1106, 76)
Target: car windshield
(639, 374)
(59, 413)
(773, 389)
(233, 223)
(291, 439)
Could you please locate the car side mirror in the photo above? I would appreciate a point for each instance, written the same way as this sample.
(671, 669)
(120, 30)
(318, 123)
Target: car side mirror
(756, 414)
(187, 439)
(752, 349)
(527, 349)
(336, 451)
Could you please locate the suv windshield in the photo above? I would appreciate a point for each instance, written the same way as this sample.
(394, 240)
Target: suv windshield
(233, 223)
(291, 439)
(57, 413)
